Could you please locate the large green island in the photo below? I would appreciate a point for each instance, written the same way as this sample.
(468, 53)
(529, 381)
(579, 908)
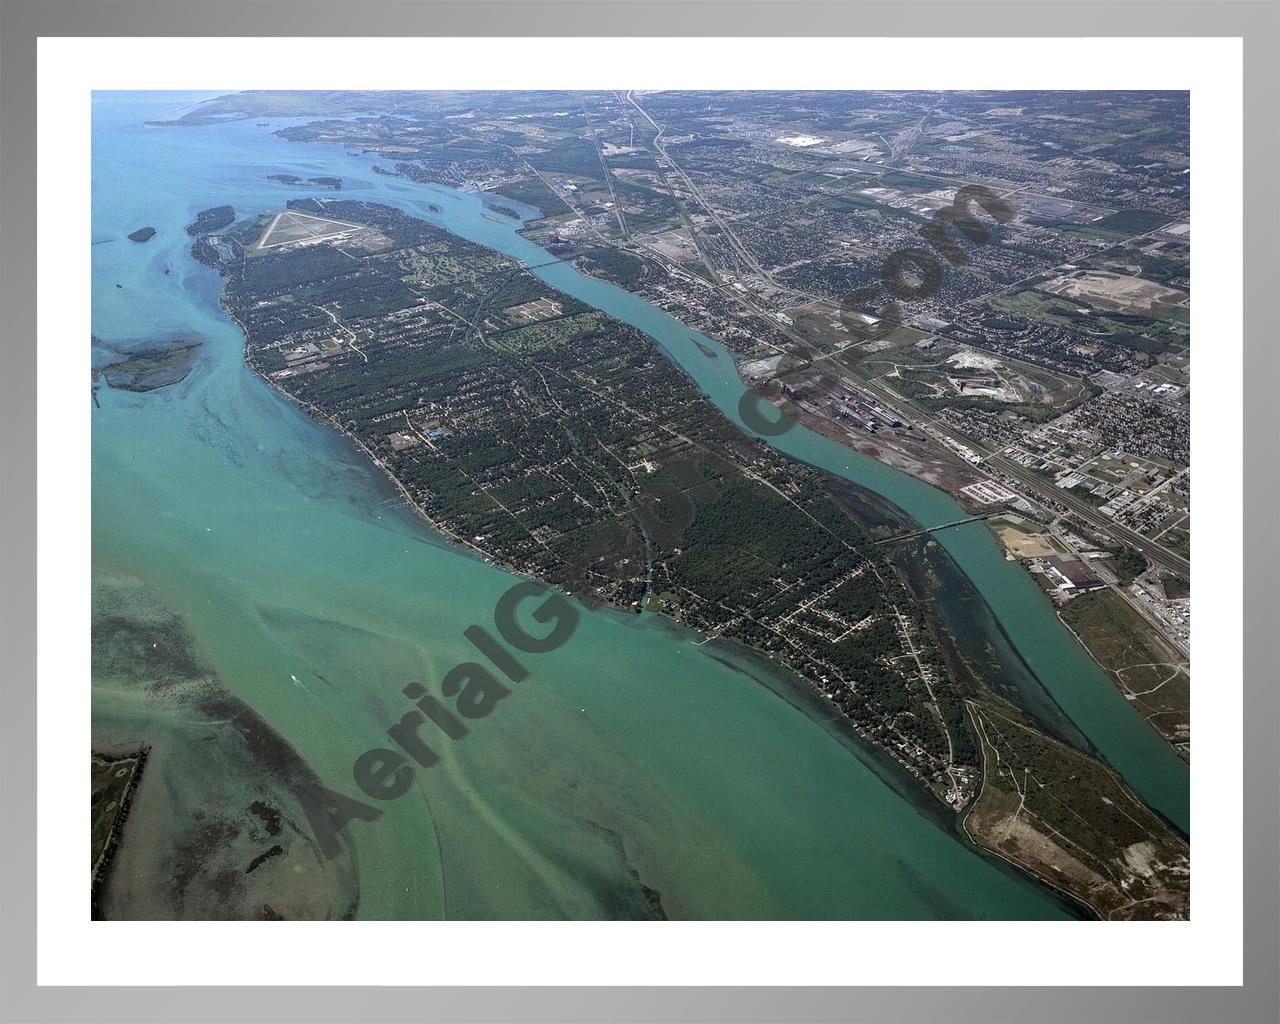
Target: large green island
(562, 445)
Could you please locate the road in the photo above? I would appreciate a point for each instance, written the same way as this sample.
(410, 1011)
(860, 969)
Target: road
(350, 333)
(904, 635)
(1045, 489)
(1158, 553)
(726, 232)
(608, 175)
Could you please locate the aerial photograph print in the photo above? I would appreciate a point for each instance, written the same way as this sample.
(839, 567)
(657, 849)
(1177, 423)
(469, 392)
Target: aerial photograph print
(665, 505)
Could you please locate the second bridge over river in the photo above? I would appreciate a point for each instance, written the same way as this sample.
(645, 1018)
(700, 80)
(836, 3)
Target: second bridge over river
(896, 538)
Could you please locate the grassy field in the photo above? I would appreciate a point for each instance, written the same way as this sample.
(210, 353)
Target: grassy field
(1149, 334)
(548, 334)
(113, 782)
(1123, 643)
(1066, 817)
(925, 375)
(532, 191)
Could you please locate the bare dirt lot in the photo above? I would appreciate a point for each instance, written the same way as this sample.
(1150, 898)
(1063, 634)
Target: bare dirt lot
(1021, 544)
(1116, 291)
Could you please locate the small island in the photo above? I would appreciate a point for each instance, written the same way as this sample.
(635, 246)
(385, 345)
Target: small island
(213, 219)
(320, 181)
(142, 235)
(147, 369)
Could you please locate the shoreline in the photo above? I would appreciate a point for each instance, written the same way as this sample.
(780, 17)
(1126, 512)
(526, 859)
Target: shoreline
(1120, 686)
(137, 759)
(850, 728)
(876, 760)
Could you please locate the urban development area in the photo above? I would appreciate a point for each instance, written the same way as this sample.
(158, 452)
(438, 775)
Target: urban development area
(988, 292)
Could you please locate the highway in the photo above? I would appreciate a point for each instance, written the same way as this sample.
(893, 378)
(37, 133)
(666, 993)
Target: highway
(1159, 554)
(1045, 489)
(726, 232)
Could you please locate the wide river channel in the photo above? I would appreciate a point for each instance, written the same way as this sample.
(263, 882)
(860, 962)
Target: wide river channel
(316, 595)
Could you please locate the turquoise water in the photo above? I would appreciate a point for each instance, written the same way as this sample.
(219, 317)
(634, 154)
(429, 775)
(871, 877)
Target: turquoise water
(290, 557)
(1083, 691)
